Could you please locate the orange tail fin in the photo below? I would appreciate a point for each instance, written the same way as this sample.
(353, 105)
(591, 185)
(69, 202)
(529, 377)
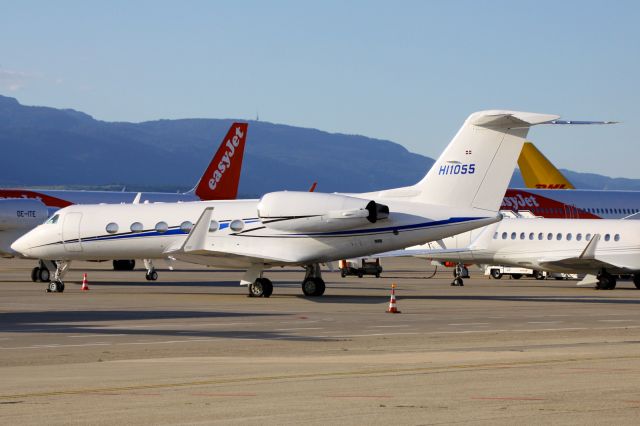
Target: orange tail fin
(220, 180)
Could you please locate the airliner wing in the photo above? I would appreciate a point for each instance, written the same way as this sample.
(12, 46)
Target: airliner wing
(588, 260)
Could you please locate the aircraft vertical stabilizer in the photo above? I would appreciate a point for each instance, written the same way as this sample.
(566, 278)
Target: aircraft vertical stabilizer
(475, 168)
(538, 172)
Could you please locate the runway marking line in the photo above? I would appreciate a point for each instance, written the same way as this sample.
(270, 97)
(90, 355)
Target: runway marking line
(314, 376)
(506, 398)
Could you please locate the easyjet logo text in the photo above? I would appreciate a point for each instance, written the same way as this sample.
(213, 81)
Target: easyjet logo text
(519, 201)
(225, 163)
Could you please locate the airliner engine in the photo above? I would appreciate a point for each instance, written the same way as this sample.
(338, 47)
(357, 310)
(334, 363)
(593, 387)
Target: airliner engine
(316, 212)
(21, 213)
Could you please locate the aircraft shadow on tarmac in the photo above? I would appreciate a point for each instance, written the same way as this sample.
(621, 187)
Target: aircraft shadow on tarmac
(68, 322)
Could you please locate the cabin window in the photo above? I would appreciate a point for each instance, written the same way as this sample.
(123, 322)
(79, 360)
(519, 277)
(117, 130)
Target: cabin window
(504, 235)
(495, 236)
(112, 228)
(579, 237)
(53, 220)
(531, 236)
(213, 226)
(186, 226)
(569, 237)
(549, 236)
(616, 237)
(588, 237)
(558, 236)
(162, 227)
(236, 225)
(522, 235)
(607, 237)
(513, 235)
(136, 227)
(540, 236)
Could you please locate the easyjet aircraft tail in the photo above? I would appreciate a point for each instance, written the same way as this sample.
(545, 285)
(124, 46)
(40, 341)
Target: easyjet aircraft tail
(221, 179)
(538, 172)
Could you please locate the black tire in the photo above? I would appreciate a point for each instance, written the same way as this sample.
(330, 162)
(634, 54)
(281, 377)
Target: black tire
(52, 287)
(636, 280)
(377, 275)
(516, 276)
(359, 274)
(320, 287)
(60, 287)
(44, 275)
(267, 287)
(312, 287)
(153, 276)
(496, 274)
(612, 283)
(538, 275)
(458, 282)
(343, 274)
(35, 274)
(124, 265)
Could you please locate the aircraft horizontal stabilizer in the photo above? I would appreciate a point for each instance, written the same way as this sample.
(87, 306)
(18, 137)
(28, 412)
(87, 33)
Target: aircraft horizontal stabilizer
(510, 119)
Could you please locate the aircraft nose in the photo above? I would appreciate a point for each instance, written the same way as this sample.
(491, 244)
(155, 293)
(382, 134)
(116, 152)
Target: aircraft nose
(22, 245)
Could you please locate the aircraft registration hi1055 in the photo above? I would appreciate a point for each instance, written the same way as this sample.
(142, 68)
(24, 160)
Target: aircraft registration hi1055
(301, 228)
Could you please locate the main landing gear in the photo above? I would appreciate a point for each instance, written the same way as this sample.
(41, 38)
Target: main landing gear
(151, 274)
(61, 267)
(124, 265)
(606, 281)
(313, 284)
(459, 272)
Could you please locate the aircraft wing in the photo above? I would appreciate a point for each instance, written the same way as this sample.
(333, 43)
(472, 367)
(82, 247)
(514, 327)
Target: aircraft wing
(588, 260)
(195, 249)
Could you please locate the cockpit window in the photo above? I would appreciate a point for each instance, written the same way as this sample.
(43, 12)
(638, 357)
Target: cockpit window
(53, 219)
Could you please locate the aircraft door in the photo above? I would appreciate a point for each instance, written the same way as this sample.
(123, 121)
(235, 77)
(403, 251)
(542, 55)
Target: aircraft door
(71, 232)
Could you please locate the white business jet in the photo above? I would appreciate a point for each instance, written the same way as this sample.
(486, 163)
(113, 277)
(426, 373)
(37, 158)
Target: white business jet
(462, 191)
(602, 248)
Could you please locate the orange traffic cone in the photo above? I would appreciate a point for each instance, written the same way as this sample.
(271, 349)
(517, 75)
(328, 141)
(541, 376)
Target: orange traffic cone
(392, 302)
(85, 286)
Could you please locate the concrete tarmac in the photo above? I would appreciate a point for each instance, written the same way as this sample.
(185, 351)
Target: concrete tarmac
(192, 348)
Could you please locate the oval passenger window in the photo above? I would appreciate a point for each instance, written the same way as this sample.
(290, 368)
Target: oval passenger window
(112, 228)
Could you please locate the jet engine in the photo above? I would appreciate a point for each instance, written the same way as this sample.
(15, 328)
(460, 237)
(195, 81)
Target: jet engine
(316, 212)
(21, 213)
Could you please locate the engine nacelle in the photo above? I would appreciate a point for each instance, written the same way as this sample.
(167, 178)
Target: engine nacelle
(292, 211)
(21, 213)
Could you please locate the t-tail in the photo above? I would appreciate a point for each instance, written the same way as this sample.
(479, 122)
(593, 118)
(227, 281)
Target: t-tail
(538, 172)
(221, 179)
(475, 168)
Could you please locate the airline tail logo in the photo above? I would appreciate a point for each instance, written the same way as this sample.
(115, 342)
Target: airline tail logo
(225, 163)
(220, 180)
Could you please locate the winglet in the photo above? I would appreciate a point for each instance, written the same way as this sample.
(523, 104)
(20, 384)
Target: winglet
(220, 180)
(589, 251)
(198, 234)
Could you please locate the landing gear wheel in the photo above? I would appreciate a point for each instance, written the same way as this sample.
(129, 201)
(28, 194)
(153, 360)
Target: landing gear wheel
(55, 287)
(343, 274)
(538, 275)
(636, 280)
(35, 274)
(43, 275)
(516, 276)
(313, 287)
(124, 265)
(261, 287)
(606, 282)
(496, 274)
(151, 276)
(457, 282)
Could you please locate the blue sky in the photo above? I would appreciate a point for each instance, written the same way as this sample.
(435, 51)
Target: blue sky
(408, 71)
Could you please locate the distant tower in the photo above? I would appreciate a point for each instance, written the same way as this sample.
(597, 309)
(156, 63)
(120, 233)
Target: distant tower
(257, 116)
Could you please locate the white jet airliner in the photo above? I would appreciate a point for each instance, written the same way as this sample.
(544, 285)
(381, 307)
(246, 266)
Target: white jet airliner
(601, 247)
(462, 191)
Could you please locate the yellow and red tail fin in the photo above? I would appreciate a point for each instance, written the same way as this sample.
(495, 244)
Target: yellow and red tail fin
(220, 180)
(538, 172)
